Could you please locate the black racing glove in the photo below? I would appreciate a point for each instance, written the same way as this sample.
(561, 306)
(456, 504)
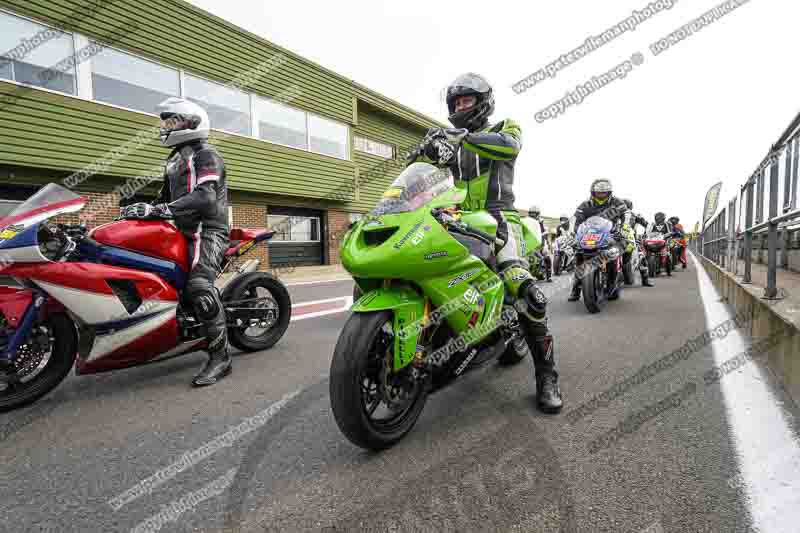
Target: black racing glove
(440, 151)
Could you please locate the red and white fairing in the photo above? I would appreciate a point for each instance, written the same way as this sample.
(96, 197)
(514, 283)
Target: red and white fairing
(121, 337)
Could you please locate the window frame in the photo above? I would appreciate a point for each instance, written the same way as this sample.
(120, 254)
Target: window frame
(71, 35)
(348, 141)
(289, 230)
(390, 146)
(140, 57)
(257, 136)
(86, 93)
(184, 73)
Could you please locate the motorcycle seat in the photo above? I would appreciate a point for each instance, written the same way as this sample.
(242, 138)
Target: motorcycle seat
(241, 237)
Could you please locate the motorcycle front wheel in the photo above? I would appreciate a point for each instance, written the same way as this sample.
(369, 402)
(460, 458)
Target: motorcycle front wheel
(41, 363)
(373, 406)
(652, 264)
(557, 259)
(594, 291)
(669, 265)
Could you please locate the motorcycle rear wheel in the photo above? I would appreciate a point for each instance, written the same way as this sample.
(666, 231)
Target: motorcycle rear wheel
(63, 348)
(627, 272)
(276, 297)
(362, 352)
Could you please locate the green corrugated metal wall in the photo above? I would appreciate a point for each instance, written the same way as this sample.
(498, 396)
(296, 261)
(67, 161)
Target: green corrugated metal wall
(376, 173)
(67, 134)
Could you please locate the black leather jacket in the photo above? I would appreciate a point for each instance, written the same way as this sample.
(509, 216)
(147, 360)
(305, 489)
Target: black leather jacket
(613, 210)
(196, 188)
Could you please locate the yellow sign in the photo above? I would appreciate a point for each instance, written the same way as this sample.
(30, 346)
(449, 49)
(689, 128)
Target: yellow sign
(8, 234)
(394, 192)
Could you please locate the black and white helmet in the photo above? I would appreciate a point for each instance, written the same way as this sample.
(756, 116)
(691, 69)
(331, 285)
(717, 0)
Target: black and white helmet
(534, 211)
(182, 121)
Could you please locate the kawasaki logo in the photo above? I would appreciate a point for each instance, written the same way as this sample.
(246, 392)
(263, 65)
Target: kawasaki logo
(407, 236)
(463, 277)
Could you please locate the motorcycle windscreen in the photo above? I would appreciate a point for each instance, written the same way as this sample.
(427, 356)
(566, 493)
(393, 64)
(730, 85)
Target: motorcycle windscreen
(593, 232)
(51, 200)
(415, 187)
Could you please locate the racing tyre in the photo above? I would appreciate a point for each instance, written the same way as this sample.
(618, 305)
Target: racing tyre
(651, 266)
(373, 406)
(594, 291)
(269, 300)
(42, 363)
(557, 260)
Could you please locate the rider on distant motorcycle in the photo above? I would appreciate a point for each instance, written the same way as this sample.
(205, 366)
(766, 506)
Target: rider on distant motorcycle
(481, 157)
(563, 226)
(680, 234)
(661, 225)
(195, 195)
(543, 254)
(602, 203)
(633, 221)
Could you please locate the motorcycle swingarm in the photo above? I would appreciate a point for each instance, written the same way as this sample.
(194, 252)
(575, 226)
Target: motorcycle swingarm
(483, 357)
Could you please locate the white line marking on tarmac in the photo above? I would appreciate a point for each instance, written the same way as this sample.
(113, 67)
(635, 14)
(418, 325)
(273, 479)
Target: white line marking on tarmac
(347, 303)
(767, 450)
(296, 283)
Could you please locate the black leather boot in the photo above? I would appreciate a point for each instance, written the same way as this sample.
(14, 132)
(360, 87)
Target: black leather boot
(217, 367)
(548, 393)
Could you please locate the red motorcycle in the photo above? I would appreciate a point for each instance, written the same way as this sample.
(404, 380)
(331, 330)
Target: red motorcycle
(656, 246)
(110, 298)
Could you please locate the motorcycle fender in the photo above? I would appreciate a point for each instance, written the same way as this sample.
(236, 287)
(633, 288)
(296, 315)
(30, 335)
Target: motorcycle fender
(13, 304)
(407, 307)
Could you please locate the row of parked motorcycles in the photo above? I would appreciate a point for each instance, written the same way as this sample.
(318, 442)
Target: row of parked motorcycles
(430, 304)
(593, 244)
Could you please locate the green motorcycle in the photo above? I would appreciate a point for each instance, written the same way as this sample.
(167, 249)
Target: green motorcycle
(535, 247)
(432, 307)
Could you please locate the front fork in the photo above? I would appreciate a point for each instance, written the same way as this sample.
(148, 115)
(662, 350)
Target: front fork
(22, 332)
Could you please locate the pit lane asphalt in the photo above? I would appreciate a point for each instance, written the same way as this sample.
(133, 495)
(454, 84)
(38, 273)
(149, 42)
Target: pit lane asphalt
(481, 458)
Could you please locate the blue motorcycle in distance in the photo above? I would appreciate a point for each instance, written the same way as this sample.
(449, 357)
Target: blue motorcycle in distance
(600, 260)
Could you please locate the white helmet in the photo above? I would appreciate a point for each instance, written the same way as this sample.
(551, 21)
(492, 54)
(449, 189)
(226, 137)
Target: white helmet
(182, 121)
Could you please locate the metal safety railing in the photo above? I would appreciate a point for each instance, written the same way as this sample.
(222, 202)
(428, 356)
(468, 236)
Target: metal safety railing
(766, 207)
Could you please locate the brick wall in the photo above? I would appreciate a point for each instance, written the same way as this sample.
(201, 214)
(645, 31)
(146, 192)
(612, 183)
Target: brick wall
(101, 208)
(336, 223)
(252, 216)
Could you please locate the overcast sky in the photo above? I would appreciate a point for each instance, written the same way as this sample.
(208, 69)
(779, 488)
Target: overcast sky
(705, 110)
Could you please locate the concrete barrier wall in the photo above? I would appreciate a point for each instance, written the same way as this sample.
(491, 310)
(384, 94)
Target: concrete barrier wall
(765, 321)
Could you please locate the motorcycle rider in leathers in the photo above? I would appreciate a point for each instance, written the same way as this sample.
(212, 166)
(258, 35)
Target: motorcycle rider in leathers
(544, 254)
(602, 203)
(563, 226)
(481, 157)
(677, 228)
(633, 221)
(195, 195)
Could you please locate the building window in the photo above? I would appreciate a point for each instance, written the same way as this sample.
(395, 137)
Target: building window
(294, 229)
(328, 137)
(373, 147)
(355, 217)
(228, 109)
(7, 206)
(281, 124)
(36, 55)
(128, 81)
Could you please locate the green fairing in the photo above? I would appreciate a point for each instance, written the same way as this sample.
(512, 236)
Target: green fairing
(408, 307)
(532, 234)
(422, 260)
